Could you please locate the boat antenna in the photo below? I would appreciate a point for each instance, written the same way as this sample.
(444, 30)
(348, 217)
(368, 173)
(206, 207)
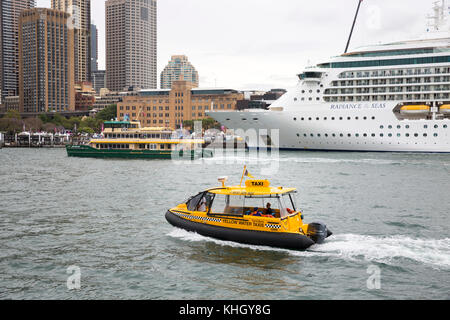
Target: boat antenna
(353, 26)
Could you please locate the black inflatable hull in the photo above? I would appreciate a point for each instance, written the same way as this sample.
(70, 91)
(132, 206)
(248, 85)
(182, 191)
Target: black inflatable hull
(260, 238)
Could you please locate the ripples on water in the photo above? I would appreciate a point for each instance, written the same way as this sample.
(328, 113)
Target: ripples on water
(107, 217)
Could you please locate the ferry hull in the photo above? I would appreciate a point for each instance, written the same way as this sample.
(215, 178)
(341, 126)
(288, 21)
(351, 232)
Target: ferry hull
(89, 152)
(291, 241)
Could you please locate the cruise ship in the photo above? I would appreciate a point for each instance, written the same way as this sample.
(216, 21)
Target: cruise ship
(392, 97)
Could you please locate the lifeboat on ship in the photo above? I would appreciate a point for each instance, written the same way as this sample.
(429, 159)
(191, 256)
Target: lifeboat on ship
(255, 214)
(445, 109)
(415, 109)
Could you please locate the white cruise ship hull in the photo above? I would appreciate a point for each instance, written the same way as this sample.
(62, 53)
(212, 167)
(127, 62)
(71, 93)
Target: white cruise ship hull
(366, 126)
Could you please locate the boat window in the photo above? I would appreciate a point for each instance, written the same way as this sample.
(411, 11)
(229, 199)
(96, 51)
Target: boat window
(219, 204)
(193, 203)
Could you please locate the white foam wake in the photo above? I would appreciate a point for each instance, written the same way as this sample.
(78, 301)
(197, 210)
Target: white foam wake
(383, 249)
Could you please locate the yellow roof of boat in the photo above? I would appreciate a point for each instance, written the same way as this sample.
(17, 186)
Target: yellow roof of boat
(252, 187)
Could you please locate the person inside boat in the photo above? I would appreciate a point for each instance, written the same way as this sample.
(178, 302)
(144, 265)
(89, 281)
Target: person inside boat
(202, 205)
(269, 210)
(256, 212)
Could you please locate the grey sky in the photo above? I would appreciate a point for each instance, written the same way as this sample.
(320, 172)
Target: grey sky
(263, 44)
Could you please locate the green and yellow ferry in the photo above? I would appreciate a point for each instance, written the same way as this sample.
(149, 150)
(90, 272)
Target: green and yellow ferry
(127, 139)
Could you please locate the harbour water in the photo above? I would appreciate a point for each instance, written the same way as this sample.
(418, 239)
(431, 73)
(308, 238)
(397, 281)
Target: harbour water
(389, 213)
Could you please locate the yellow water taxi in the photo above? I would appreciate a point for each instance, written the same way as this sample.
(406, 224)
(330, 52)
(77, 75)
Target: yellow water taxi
(256, 214)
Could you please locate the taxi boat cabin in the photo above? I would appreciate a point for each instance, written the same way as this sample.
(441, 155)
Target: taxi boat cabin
(238, 205)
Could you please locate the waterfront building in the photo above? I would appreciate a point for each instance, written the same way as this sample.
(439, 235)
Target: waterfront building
(80, 11)
(179, 68)
(108, 98)
(11, 103)
(84, 96)
(98, 79)
(170, 107)
(131, 44)
(9, 45)
(46, 61)
(94, 49)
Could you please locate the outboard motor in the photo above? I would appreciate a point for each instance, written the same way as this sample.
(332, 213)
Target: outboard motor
(318, 232)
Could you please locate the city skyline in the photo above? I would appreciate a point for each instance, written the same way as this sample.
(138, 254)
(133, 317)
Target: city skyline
(264, 44)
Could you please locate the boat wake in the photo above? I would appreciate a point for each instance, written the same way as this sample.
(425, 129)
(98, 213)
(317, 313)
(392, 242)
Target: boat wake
(391, 250)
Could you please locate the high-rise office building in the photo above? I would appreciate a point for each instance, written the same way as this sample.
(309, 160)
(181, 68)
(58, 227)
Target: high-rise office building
(94, 48)
(131, 44)
(46, 61)
(80, 20)
(179, 68)
(98, 79)
(9, 45)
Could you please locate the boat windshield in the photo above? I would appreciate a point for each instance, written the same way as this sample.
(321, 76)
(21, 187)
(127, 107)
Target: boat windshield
(238, 205)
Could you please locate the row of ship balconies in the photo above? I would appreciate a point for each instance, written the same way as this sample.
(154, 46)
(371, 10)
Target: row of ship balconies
(394, 73)
(396, 89)
(392, 81)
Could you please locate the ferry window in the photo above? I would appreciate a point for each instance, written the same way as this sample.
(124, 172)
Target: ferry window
(407, 135)
(436, 126)
(399, 127)
(445, 126)
(416, 134)
(381, 127)
(399, 135)
(425, 135)
(426, 126)
(407, 126)
(435, 135)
